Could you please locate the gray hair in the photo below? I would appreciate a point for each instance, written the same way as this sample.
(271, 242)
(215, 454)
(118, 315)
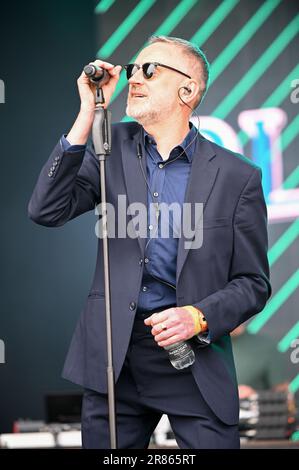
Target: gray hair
(190, 50)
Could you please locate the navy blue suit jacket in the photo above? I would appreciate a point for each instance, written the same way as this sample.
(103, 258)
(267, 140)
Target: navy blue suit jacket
(227, 278)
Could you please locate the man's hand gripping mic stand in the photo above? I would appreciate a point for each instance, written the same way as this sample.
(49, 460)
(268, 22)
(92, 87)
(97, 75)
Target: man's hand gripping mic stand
(101, 136)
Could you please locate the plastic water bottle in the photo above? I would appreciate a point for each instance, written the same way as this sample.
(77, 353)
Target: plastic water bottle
(181, 354)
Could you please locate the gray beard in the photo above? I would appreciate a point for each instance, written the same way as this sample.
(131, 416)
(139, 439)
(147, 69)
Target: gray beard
(142, 116)
(147, 115)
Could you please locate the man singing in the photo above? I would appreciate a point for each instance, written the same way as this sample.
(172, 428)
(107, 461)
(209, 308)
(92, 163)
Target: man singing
(163, 289)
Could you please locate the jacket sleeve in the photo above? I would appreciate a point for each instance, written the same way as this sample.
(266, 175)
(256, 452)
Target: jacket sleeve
(68, 185)
(248, 288)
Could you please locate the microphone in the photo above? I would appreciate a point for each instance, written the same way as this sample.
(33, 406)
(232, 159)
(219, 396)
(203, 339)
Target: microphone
(97, 74)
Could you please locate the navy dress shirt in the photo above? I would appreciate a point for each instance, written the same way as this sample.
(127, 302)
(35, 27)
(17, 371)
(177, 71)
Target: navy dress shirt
(167, 182)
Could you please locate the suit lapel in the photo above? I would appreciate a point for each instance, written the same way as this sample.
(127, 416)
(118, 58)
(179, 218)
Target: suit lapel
(135, 184)
(202, 177)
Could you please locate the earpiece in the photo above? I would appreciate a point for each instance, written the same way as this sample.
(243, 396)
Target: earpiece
(187, 91)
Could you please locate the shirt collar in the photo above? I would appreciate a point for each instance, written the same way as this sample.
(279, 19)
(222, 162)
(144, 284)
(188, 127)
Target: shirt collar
(189, 152)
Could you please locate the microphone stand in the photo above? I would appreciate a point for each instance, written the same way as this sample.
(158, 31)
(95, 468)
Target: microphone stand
(101, 136)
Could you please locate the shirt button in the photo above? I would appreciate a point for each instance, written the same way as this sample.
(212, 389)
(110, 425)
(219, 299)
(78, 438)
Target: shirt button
(144, 288)
(132, 305)
(146, 260)
(156, 194)
(150, 227)
(161, 165)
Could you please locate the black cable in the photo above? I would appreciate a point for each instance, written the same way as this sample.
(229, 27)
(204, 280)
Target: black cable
(139, 155)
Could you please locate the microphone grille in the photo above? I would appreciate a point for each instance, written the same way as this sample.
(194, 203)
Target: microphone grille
(89, 70)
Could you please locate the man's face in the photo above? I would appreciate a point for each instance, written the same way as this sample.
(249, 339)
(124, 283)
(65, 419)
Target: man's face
(156, 99)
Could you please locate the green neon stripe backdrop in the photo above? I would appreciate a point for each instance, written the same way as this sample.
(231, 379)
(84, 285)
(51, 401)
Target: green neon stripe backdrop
(290, 133)
(275, 99)
(284, 345)
(103, 6)
(287, 340)
(292, 180)
(257, 70)
(275, 303)
(125, 28)
(294, 385)
(242, 38)
(213, 22)
(283, 242)
(281, 245)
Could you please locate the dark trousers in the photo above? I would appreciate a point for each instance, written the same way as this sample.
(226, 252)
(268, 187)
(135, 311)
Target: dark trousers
(148, 387)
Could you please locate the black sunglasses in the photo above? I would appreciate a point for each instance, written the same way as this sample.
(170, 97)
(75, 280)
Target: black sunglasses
(148, 69)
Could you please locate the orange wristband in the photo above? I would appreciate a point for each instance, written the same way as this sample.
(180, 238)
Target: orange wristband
(200, 323)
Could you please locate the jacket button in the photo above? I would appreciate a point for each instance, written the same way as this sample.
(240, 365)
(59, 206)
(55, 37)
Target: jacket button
(140, 262)
(132, 305)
